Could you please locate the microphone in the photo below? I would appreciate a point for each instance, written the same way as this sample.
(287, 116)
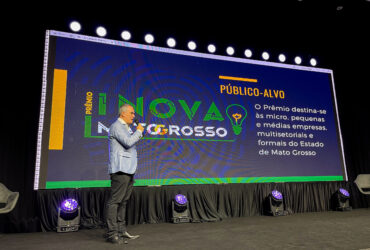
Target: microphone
(136, 121)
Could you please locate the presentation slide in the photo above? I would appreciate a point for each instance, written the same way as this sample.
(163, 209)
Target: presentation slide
(208, 119)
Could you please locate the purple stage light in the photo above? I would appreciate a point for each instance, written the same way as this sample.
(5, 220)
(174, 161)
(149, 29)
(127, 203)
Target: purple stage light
(277, 195)
(344, 192)
(180, 212)
(181, 199)
(342, 200)
(69, 205)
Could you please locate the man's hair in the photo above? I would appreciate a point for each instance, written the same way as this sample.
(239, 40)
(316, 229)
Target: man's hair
(123, 108)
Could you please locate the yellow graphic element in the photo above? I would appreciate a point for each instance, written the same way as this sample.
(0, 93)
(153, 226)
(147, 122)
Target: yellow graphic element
(163, 132)
(237, 79)
(58, 110)
(236, 116)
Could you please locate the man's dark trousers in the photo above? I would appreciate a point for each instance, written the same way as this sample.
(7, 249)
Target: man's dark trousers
(121, 189)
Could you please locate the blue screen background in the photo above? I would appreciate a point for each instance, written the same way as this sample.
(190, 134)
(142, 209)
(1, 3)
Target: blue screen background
(135, 72)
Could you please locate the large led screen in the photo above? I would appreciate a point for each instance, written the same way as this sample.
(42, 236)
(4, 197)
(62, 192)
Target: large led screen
(207, 118)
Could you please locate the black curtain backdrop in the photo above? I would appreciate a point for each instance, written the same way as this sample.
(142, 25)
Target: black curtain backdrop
(207, 203)
(338, 39)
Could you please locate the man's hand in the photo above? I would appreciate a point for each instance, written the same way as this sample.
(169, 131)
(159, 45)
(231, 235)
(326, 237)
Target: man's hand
(139, 127)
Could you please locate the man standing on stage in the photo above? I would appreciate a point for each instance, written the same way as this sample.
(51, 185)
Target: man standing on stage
(122, 167)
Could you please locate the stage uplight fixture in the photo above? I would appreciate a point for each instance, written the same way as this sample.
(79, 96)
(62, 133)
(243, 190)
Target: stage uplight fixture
(344, 193)
(75, 26)
(149, 38)
(171, 42)
(298, 60)
(211, 48)
(69, 205)
(282, 58)
(230, 51)
(101, 31)
(277, 196)
(248, 53)
(342, 200)
(265, 56)
(68, 216)
(126, 35)
(275, 204)
(181, 200)
(180, 211)
(313, 62)
(192, 45)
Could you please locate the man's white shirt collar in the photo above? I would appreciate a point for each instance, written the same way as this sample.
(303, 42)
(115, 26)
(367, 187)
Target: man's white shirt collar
(122, 121)
(125, 124)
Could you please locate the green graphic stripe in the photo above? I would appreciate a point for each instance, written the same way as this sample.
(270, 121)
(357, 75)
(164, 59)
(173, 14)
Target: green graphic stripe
(77, 184)
(87, 126)
(182, 181)
(87, 133)
(183, 139)
(102, 103)
(165, 139)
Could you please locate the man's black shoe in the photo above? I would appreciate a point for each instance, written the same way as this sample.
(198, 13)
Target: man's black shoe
(115, 240)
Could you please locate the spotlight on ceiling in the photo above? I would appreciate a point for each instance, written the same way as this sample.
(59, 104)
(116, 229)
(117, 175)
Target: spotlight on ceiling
(298, 60)
(230, 51)
(248, 53)
(265, 56)
(75, 26)
(211, 48)
(282, 58)
(101, 31)
(171, 42)
(192, 45)
(149, 38)
(313, 62)
(68, 216)
(126, 35)
(180, 211)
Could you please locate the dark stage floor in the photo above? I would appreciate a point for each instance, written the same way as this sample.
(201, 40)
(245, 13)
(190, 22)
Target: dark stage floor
(325, 230)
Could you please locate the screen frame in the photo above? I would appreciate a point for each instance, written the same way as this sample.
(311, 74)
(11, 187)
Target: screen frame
(44, 117)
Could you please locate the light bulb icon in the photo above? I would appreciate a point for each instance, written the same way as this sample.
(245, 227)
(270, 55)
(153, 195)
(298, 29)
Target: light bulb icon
(236, 114)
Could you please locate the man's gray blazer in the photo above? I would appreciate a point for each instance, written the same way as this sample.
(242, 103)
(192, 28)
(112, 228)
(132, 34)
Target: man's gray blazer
(122, 149)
